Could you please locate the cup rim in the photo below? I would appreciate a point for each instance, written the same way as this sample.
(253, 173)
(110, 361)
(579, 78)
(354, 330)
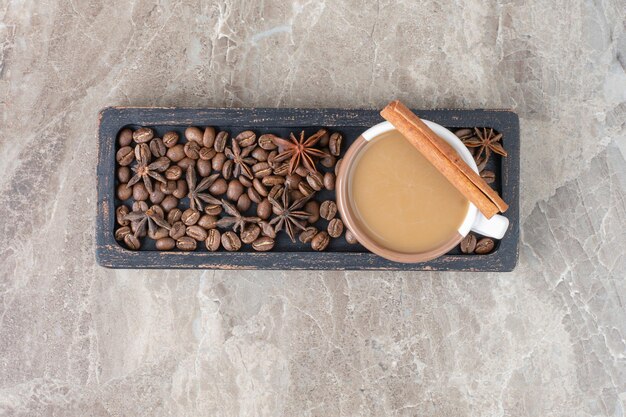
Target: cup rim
(349, 217)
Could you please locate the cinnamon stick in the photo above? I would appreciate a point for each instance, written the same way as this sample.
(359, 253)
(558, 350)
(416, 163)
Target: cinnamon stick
(439, 153)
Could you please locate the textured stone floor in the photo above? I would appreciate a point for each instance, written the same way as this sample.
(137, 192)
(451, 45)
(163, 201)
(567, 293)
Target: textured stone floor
(545, 340)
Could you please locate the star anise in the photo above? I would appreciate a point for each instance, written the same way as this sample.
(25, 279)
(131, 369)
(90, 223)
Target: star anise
(235, 218)
(144, 170)
(300, 151)
(143, 217)
(288, 215)
(240, 159)
(486, 141)
(196, 191)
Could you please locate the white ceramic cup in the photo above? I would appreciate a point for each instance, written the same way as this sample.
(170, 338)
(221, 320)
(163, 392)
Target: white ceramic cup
(474, 221)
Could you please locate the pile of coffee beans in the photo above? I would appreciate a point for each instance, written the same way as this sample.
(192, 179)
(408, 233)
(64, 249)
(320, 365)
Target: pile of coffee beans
(205, 190)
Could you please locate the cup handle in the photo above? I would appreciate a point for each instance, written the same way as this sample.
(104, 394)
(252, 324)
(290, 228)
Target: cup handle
(495, 227)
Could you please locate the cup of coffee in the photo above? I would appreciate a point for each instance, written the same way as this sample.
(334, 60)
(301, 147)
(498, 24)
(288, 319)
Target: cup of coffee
(398, 205)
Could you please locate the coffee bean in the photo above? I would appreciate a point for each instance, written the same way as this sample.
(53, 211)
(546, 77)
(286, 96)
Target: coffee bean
(246, 138)
(328, 209)
(213, 209)
(187, 162)
(193, 134)
(337, 166)
(334, 143)
(178, 230)
(350, 237)
(186, 243)
(219, 187)
(192, 150)
(207, 221)
(261, 169)
(267, 229)
(259, 154)
(484, 246)
(323, 140)
(218, 161)
(305, 188)
(125, 137)
(157, 210)
(206, 153)
(254, 195)
(264, 209)
(159, 233)
(259, 187)
(313, 208)
(190, 217)
(122, 232)
(468, 244)
(196, 232)
(139, 192)
(208, 138)
(132, 242)
(245, 181)
(165, 243)
(308, 234)
(335, 227)
(234, 190)
(125, 156)
(176, 152)
(243, 202)
(292, 181)
(124, 192)
(272, 180)
(276, 192)
(168, 188)
(295, 195)
(464, 132)
(212, 242)
(123, 174)
(315, 180)
(181, 189)
(170, 139)
(169, 202)
(203, 167)
(267, 142)
(282, 169)
(263, 244)
(157, 147)
(328, 161)
(220, 141)
(140, 206)
(271, 159)
(250, 233)
(174, 215)
(156, 196)
(227, 169)
(329, 181)
(143, 135)
(320, 241)
(120, 214)
(488, 176)
(173, 173)
(230, 241)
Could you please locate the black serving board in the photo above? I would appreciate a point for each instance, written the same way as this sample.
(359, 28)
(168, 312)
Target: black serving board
(286, 255)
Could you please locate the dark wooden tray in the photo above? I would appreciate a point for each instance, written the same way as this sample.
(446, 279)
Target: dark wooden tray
(340, 255)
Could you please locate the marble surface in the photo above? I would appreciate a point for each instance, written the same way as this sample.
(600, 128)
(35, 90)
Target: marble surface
(545, 340)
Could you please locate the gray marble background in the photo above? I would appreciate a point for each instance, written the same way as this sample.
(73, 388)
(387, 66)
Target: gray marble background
(545, 340)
